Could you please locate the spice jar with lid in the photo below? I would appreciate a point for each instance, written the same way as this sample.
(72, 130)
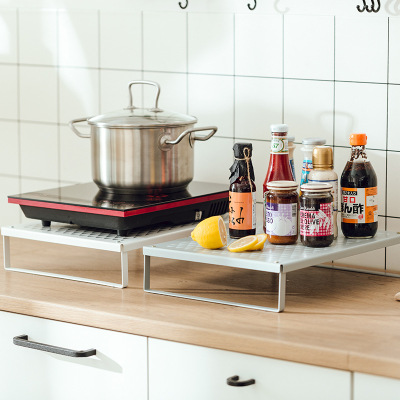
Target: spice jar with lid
(316, 214)
(282, 202)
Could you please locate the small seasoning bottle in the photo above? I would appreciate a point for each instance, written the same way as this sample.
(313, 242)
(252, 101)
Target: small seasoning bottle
(307, 149)
(316, 212)
(282, 202)
(322, 172)
(359, 192)
(242, 193)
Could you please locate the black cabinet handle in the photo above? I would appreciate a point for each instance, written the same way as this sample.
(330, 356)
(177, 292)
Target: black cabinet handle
(234, 381)
(23, 341)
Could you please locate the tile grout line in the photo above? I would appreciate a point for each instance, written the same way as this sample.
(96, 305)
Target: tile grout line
(334, 83)
(58, 83)
(283, 69)
(187, 62)
(17, 17)
(387, 132)
(99, 59)
(234, 78)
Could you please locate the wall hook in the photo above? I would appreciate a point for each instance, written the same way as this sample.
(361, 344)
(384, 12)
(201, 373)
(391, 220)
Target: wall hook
(364, 7)
(252, 8)
(183, 6)
(373, 9)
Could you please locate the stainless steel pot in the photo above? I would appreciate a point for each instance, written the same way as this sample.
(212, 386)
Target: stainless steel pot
(139, 150)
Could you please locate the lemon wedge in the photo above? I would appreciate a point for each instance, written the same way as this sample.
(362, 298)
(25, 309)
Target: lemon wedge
(243, 244)
(262, 238)
(210, 233)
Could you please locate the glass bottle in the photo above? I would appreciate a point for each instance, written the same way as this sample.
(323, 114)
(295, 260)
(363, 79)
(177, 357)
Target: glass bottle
(281, 209)
(242, 193)
(323, 172)
(307, 149)
(279, 166)
(359, 192)
(316, 212)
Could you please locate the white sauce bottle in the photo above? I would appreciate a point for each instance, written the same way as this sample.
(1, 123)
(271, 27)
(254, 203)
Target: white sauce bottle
(322, 172)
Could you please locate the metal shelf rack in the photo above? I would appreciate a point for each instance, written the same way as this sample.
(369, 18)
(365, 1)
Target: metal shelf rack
(274, 259)
(99, 239)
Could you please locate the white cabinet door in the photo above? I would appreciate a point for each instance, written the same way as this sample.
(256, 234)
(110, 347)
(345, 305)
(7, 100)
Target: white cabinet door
(182, 372)
(371, 387)
(117, 371)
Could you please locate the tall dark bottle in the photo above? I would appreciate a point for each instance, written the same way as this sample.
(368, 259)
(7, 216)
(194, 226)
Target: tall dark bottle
(359, 192)
(242, 193)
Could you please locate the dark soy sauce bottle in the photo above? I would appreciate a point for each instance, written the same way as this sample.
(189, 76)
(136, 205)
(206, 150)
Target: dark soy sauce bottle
(242, 193)
(359, 192)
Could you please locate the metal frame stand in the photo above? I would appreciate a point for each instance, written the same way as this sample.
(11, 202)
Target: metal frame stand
(274, 259)
(281, 292)
(93, 239)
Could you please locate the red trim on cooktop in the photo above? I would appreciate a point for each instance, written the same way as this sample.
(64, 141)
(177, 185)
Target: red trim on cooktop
(115, 213)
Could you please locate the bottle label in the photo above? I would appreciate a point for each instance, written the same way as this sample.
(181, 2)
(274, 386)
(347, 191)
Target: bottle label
(335, 190)
(281, 219)
(242, 211)
(305, 170)
(317, 221)
(279, 145)
(359, 205)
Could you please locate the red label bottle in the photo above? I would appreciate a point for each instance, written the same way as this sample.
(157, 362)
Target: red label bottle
(279, 168)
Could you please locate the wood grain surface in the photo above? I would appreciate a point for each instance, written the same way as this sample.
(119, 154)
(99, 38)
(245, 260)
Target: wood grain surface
(336, 319)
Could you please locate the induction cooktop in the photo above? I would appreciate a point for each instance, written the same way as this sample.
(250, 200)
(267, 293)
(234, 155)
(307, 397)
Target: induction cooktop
(85, 205)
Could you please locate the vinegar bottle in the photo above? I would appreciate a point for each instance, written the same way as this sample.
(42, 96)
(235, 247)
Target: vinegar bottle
(359, 192)
(279, 168)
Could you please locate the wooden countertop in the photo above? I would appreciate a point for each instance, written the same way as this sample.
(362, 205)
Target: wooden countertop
(336, 319)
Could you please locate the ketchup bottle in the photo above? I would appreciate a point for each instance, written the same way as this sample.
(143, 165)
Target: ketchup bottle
(279, 166)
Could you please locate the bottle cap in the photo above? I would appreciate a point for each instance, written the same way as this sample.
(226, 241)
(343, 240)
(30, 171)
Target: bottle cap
(282, 185)
(290, 138)
(279, 128)
(238, 149)
(315, 141)
(322, 157)
(316, 187)
(358, 139)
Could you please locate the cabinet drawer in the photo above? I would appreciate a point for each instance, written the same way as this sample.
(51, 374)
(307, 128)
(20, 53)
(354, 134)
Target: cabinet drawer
(117, 371)
(370, 387)
(182, 372)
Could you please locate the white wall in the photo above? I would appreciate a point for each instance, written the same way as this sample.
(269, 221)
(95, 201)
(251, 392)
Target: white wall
(320, 66)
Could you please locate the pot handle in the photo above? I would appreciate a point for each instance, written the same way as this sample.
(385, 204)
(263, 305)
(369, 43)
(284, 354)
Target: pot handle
(166, 144)
(155, 84)
(80, 134)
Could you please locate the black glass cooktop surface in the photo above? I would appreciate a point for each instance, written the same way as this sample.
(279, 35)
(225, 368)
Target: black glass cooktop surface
(86, 205)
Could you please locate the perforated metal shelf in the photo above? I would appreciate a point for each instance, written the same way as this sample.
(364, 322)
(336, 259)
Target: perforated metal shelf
(275, 259)
(100, 239)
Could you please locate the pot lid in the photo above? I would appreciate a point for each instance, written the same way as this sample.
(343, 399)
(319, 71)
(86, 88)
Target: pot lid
(135, 117)
(141, 118)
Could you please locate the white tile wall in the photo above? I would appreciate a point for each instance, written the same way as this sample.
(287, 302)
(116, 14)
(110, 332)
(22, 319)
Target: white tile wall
(309, 47)
(38, 94)
(120, 40)
(37, 38)
(324, 69)
(258, 104)
(211, 101)
(210, 43)
(361, 107)
(9, 92)
(259, 45)
(165, 42)
(8, 34)
(361, 49)
(308, 108)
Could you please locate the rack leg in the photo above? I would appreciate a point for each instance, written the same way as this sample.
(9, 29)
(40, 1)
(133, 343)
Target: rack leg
(281, 291)
(146, 276)
(6, 251)
(124, 268)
